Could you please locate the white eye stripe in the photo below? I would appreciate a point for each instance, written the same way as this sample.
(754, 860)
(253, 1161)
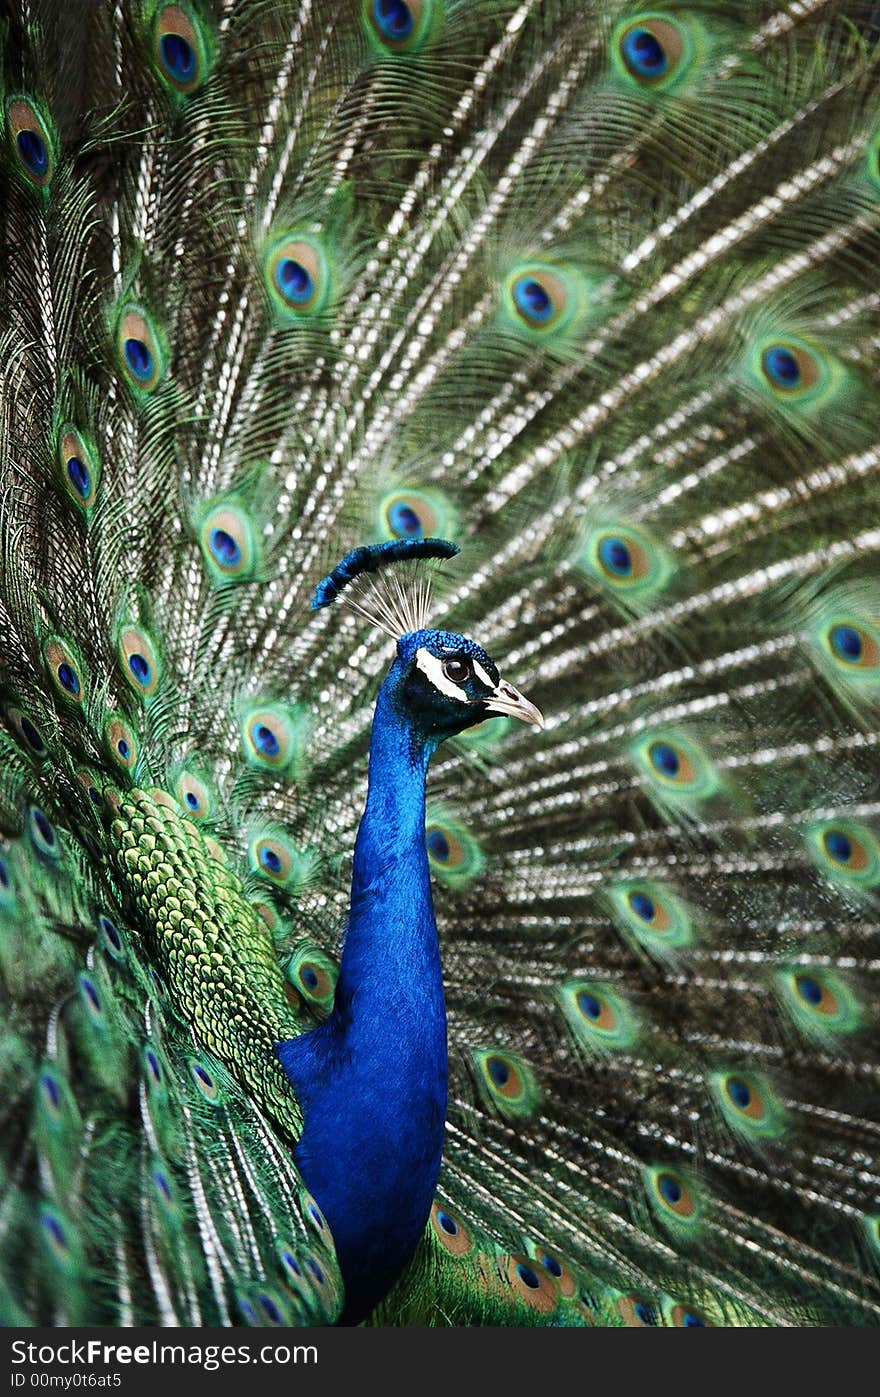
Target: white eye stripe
(432, 668)
(482, 675)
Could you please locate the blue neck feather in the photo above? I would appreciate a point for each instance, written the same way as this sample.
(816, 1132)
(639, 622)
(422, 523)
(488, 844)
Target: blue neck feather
(372, 1080)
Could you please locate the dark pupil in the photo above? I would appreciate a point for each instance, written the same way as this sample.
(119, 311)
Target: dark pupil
(33, 152)
(456, 670)
(178, 55)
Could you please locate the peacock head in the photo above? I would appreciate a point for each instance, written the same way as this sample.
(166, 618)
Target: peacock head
(440, 682)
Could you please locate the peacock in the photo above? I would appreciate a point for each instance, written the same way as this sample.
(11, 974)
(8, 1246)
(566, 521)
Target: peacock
(440, 634)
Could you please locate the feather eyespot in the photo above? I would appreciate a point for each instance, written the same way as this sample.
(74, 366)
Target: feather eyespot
(541, 299)
(529, 1282)
(273, 736)
(410, 512)
(194, 795)
(140, 348)
(120, 742)
(453, 853)
(626, 561)
(275, 858)
(139, 661)
(91, 1000)
(313, 974)
(111, 937)
(205, 1081)
(33, 141)
(652, 50)
(674, 1199)
(685, 1317)
(820, 1003)
(27, 732)
(299, 275)
(182, 47)
(848, 852)
(66, 670)
(676, 767)
(850, 651)
(507, 1082)
(56, 1236)
(78, 467)
(43, 835)
(450, 1231)
(599, 1016)
(228, 540)
(637, 1312)
(400, 27)
(562, 1276)
(748, 1104)
(795, 371)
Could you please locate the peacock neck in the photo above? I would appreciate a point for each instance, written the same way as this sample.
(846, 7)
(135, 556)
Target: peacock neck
(391, 929)
(372, 1080)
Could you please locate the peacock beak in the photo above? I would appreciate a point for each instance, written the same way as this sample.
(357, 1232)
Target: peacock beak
(509, 701)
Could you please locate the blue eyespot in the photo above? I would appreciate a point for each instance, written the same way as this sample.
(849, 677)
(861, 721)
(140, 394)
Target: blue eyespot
(781, 366)
(265, 741)
(67, 678)
(670, 1188)
(270, 860)
(847, 643)
(838, 845)
(291, 1262)
(203, 1076)
(615, 556)
(498, 1071)
(55, 1230)
(91, 994)
(110, 932)
(643, 54)
(809, 989)
(532, 299)
(140, 668)
(739, 1093)
(438, 845)
(4, 875)
(44, 827)
(692, 1321)
(294, 281)
(589, 1005)
(393, 19)
(224, 548)
(665, 759)
(449, 1225)
(153, 1064)
(139, 359)
(309, 978)
(178, 57)
(271, 1309)
(317, 1271)
(161, 1181)
(528, 1276)
(50, 1087)
(32, 149)
(192, 800)
(31, 736)
(646, 1313)
(123, 749)
(404, 521)
(79, 476)
(551, 1264)
(643, 906)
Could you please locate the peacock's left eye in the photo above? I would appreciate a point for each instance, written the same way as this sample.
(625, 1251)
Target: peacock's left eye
(456, 671)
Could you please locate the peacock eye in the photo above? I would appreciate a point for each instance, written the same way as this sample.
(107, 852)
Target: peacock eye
(456, 670)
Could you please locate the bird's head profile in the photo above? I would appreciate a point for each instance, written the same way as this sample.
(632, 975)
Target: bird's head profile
(440, 682)
(444, 683)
